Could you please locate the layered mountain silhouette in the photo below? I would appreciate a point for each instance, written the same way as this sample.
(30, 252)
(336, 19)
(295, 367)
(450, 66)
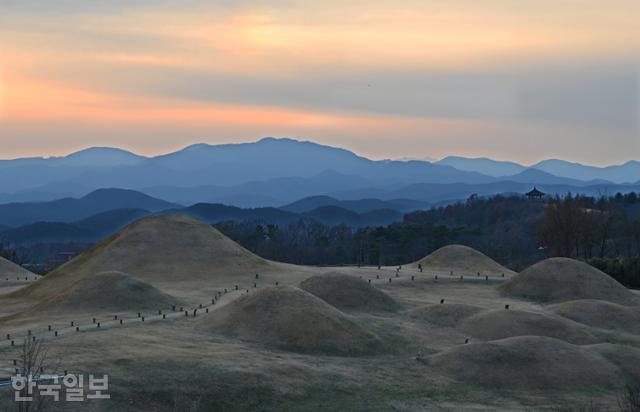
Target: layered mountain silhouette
(275, 172)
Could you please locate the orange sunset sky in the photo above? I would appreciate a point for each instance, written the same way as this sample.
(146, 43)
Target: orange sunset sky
(520, 80)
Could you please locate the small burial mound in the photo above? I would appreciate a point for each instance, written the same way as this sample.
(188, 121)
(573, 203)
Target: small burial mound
(158, 250)
(11, 270)
(348, 293)
(291, 319)
(600, 314)
(500, 324)
(563, 279)
(627, 358)
(446, 315)
(527, 363)
(112, 291)
(464, 259)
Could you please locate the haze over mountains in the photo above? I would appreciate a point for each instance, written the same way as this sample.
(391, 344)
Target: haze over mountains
(273, 172)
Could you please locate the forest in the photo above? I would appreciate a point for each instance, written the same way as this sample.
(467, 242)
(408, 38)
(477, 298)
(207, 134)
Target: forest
(513, 230)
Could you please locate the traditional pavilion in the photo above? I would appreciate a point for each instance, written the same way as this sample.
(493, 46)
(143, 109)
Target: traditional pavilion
(535, 195)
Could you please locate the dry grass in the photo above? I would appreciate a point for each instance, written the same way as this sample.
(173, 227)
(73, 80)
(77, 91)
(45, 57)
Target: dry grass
(464, 259)
(275, 348)
(563, 279)
(500, 324)
(290, 318)
(348, 293)
(601, 314)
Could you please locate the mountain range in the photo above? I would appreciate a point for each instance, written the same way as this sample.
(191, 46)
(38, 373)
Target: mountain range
(274, 172)
(105, 211)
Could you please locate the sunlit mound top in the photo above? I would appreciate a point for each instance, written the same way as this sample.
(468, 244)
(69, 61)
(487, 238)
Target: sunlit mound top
(11, 270)
(158, 249)
(290, 319)
(464, 259)
(563, 279)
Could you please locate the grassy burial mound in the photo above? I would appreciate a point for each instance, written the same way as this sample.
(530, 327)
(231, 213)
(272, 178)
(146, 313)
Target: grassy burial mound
(627, 358)
(291, 319)
(159, 249)
(527, 363)
(10, 270)
(500, 324)
(446, 315)
(108, 291)
(601, 314)
(563, 279)
(348, 293)
(463, 259)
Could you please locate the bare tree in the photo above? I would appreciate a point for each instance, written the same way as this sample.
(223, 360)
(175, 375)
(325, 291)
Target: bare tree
(32, 363)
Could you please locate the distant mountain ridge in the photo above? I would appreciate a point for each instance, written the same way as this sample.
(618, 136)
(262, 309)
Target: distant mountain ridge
(271, 172)
(71, 209)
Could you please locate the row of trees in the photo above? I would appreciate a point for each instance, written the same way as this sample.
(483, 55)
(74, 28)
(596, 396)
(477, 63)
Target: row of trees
(510, 229)
(586, 227)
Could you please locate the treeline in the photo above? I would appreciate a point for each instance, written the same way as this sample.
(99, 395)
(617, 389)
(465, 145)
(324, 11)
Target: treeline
(504, 227)
(306, 241)
(586, 227)
(511, 229)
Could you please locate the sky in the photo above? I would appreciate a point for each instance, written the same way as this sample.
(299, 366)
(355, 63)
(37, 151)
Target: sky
(522, 80)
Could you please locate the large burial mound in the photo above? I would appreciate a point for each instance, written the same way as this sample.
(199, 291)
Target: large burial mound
(158, 250)
(291, 319)
(112, 291)
(601, 314)
(500, 324)
(449, 314)
(563, 279)
(527, 363)
(464, 259)
(8, 269)
(348, 293)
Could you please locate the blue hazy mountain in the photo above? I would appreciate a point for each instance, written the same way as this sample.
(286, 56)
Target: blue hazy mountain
(72, 209)
(359, 206)
(484, 165)
(216, 165)
(625, 173)
(89, 230)
(269, 172)
(628, 172)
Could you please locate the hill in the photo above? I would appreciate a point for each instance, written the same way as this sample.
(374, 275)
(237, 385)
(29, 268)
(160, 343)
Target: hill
(358, 206)
(107, 291)
(177, 251)
(70, 210)
(464, 259)
(527, 362)
(564, 279)
(348, 293)
(292, 319)
(10, 269)
(89, 230)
